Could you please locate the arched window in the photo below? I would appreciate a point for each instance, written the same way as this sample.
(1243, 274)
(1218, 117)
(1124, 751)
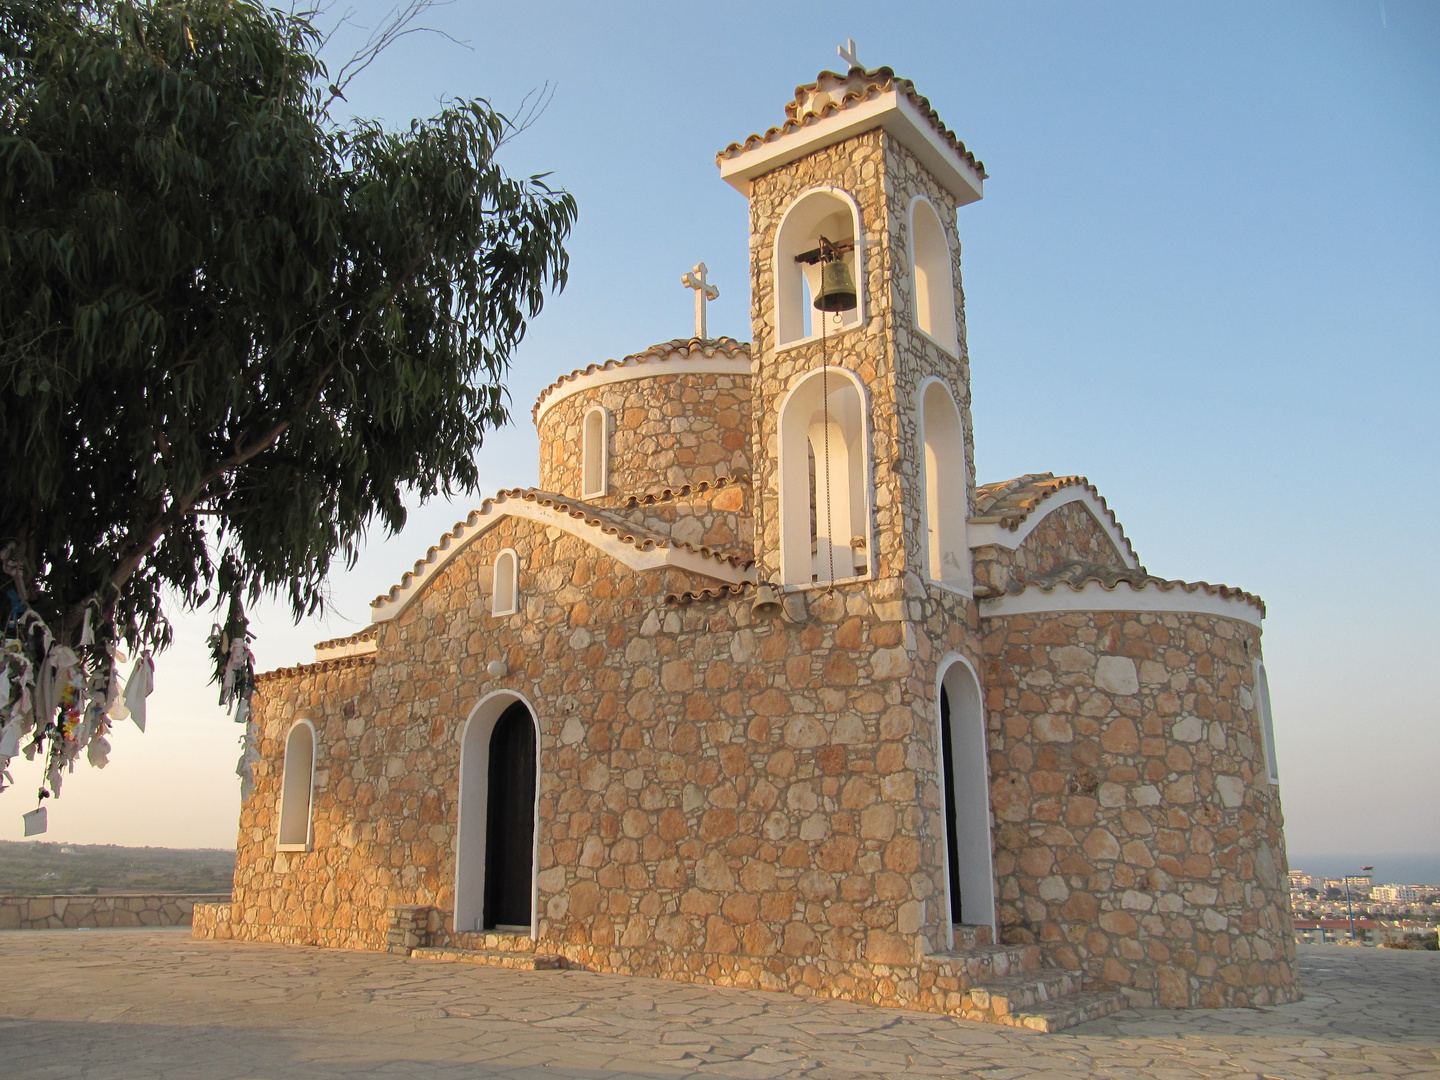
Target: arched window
(931, 274)
(824, 480)
(947, 552)
(595, 453)
(1267, 723)
(499, 778)
(297, 786)
(834, 216)
(970, 871)
(505, 600)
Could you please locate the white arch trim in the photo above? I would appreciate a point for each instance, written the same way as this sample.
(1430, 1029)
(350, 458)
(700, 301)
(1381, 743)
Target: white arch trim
(1153, 596)
(290, 788)
(948, 347)
(505, 505)
(857, 225)
(983, 533)
(474, 804)
(972, 799)
(642, 367)
(1267, 722)
(868, 472)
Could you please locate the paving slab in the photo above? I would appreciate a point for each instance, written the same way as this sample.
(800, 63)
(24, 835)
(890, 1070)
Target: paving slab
(153, 1003)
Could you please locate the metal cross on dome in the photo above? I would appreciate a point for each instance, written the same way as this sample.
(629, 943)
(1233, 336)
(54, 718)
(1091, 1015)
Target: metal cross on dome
(849, 53)
(703, 291)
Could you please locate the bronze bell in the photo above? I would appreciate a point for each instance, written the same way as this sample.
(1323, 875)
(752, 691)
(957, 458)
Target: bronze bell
(766, 604)
(837, 287)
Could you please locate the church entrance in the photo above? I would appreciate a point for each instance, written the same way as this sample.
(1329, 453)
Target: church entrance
(510, 821)
(495, 845)
(970, 874)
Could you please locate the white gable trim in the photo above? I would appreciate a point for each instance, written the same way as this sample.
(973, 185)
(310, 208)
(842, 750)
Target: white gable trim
(1094, 596)
(481, 521)
(648, 368)
(983, 533)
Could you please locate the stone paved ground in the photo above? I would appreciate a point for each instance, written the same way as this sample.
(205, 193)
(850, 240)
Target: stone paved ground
(155, 1004)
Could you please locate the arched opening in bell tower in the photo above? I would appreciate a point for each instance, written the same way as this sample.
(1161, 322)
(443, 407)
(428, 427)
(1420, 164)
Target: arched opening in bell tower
(826, 213)
(932, 277)
(824, 480)
(947, 551)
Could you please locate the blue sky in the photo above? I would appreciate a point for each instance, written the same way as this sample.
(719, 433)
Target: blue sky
(1205, 274)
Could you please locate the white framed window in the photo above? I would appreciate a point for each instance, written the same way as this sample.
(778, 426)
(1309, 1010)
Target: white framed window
(297, 789)
(595, 453)
(947, 552)
(824, 480)
(932, 277)
(505, 599)
(1267, 722)
(833, 215)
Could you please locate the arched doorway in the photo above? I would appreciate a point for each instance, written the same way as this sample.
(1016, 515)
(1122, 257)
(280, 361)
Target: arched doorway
(970, 872)
(495, 863)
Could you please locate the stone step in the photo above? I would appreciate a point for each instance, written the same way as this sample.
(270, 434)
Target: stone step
(1067, 1011)
(506, 941)
(1020, 993)
(983, 963)
(520, 961)
(968, 936)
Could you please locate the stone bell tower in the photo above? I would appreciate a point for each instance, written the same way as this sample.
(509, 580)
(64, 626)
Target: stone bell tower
(851, 406)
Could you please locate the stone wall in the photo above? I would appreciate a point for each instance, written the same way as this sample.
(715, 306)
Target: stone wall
(118, 909)
(720, 799)
(1067, 533)
(665, 431)
(1137, 834)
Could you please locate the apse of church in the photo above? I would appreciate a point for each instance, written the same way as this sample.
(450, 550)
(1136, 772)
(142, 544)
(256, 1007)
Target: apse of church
(760, 687)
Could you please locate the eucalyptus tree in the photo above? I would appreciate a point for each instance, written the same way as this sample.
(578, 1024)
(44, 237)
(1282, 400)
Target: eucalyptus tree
(234, 331)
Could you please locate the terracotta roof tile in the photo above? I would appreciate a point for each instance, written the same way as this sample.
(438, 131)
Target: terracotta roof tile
(696, 596)
(370, 633)
(667, 494)
(1010, 502)
(595, 517)
(1078, 574)
(831, 93)
(318, 668)
(679, 348)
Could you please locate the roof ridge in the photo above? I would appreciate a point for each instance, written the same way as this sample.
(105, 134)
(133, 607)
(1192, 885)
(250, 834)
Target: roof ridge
(864, 85)
(669, 494)
(1137, 580)
(318, 667)
(665, 350)
(366, 634)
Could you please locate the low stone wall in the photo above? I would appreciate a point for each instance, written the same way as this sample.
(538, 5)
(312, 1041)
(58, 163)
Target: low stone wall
(121, 909)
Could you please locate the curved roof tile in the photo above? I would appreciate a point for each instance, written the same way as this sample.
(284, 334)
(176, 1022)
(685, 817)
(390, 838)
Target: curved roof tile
(585, 513)
(320, 667)
(679, 348)
(831, 93)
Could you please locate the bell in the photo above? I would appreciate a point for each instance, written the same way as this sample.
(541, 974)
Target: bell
(765, 605)
(837, 287)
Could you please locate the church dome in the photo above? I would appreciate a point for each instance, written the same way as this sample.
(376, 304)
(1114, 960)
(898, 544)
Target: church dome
(677, 413)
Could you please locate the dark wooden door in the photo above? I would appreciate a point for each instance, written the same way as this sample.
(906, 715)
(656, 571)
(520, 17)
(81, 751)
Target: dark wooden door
(510, 819)
(952, 847)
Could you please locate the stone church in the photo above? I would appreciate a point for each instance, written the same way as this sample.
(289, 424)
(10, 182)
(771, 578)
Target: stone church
(760, 687)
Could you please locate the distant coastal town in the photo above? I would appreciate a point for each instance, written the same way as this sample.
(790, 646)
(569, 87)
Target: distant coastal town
(1356, 910)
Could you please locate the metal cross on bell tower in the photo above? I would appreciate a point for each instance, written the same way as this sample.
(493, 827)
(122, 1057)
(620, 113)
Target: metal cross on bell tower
(704, 292)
